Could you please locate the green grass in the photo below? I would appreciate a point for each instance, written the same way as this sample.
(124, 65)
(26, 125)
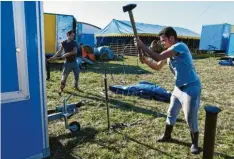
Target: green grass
(139, 141)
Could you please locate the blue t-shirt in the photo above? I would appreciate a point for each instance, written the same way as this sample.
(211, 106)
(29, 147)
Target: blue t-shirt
(182, 65)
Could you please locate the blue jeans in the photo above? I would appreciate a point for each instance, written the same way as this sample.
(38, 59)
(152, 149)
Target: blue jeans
(67, 68)
(79, 60)
(187, 97)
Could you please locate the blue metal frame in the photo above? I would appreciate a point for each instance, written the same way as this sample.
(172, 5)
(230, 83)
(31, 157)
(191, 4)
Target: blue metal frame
(43, 79)
(65, 111)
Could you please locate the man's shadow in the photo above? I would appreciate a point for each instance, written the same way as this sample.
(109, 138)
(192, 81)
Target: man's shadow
(60, 151)
(187, 144)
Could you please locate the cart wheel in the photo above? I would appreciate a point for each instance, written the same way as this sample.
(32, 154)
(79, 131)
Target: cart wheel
(120, 57)
(74, 126)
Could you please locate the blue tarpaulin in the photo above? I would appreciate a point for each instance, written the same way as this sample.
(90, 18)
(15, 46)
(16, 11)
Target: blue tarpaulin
(143, 89)
(226, 62)
(104, 50)
(124, 28)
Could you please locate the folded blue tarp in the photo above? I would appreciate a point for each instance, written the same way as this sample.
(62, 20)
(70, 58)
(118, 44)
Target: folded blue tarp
(143, 89)
(226, 62)
(104, 50)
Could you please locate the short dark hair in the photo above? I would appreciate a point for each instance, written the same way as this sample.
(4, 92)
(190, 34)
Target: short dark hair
(168, 32)
(81, 43)
(70, 32)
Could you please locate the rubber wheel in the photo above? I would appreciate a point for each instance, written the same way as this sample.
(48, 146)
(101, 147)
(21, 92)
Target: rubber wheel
(74, 126)
(120, 57)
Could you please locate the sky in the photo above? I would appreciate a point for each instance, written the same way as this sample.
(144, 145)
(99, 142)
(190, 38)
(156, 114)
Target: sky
(186, 14)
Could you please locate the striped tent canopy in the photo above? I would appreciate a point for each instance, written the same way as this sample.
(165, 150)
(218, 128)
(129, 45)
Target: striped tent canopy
(122, 28)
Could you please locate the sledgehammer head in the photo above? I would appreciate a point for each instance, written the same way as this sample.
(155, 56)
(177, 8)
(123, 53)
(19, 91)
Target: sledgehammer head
(129, 7)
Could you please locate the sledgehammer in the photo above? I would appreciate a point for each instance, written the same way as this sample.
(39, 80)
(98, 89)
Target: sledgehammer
(128, 8)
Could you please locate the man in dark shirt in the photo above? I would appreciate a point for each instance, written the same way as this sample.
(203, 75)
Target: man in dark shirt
(70, 48)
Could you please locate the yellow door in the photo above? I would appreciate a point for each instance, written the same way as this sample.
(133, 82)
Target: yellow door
(233, 29)
(50, 33)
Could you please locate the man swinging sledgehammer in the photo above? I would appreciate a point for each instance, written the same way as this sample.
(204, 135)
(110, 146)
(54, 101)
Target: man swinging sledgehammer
(70, 64)
(187, 88)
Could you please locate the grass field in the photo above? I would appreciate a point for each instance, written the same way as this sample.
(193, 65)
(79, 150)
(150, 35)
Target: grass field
(139, 140)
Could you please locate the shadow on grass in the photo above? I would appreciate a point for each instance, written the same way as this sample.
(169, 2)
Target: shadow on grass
(223, 155)
(175, 141)
(225, 58)
(55, 66)
(148, 146)
(207, 55)
(60, 151)
(106, 145)
(63, 151)
(112, 68)
(123, 105)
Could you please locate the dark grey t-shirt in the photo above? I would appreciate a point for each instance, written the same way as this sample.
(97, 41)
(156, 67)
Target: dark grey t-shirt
(68, 47)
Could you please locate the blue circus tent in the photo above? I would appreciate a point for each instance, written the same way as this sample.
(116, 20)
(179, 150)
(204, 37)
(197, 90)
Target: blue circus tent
(117, 28)
(120, 31)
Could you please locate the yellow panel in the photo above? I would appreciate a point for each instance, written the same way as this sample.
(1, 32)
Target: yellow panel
(50, 33)
(233, 29)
